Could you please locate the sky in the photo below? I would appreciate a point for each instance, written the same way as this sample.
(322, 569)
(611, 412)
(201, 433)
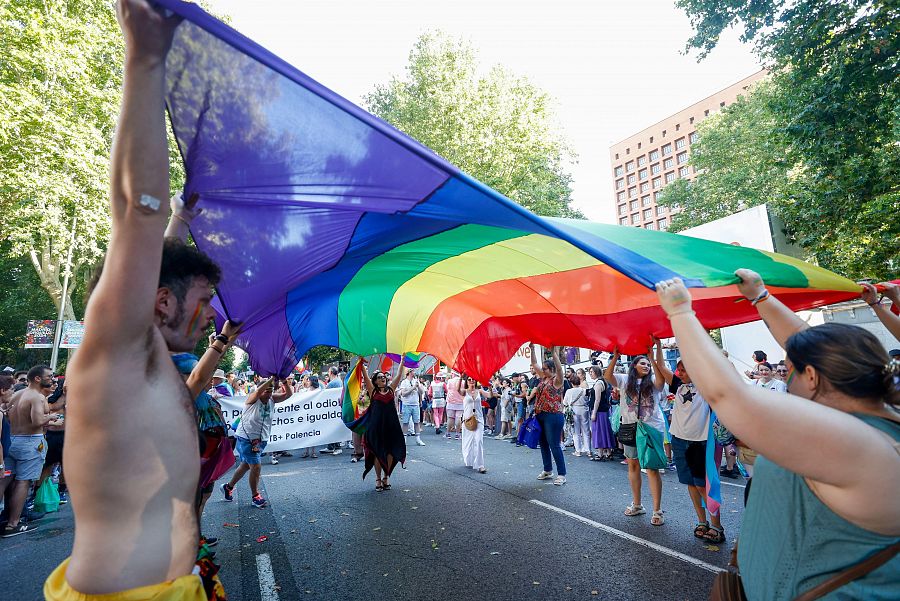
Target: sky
(613, 66)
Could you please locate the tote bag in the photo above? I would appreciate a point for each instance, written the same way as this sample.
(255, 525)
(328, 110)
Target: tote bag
(532, 437)
(651, 454)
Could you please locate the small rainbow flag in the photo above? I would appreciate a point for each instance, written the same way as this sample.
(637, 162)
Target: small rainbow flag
(350, 408)
(409, 359)
(713, 484)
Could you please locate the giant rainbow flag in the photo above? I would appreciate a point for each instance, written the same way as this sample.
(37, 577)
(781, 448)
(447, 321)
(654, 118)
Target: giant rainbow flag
(331, 227)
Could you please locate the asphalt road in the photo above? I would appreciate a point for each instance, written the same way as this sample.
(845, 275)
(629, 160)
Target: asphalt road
(441, 530)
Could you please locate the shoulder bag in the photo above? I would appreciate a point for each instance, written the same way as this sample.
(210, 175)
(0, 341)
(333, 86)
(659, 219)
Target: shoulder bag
(727, 586)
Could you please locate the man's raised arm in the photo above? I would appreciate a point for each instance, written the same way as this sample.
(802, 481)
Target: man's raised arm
(139, 190)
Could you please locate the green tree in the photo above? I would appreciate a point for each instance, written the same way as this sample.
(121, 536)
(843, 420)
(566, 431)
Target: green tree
(320, 356)
(60, 89)
(835, 114)
(497, 127)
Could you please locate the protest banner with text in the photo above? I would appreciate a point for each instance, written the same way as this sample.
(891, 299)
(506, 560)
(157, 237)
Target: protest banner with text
(306, 419)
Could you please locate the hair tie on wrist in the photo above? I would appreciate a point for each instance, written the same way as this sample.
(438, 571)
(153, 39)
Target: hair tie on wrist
(222, 338)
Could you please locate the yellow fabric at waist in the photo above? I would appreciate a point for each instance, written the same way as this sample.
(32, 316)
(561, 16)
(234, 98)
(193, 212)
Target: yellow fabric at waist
(184, 588)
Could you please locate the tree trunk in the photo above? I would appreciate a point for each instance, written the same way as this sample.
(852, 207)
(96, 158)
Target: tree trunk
(49, 271)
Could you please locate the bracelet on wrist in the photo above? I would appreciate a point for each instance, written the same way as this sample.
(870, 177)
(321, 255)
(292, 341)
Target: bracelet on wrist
(222, 338)
(689, 311)
(217, 349)
(762, 296)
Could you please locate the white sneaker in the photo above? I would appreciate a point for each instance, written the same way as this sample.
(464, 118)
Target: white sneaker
(337, 451)
(419, 442)
(559, 481)
(274, 459)
(545, 475)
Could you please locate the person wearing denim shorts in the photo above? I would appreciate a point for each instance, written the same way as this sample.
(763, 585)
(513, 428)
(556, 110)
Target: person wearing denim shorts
(410, 408)
(252, 436)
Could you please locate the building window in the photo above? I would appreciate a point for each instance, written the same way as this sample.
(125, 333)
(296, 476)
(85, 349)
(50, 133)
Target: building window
(682, 157)
(706, 113)
(654, 168)
(656, 196)
(642, 174)
(631, 178)
(620, 196)
(693, 137)
(722, 104)
(670, 177)
(692, 120)
(667, 149)
(618, 170)
(620, 183)
(657, 183)
(668, 163)
(660, 211)
(654, 155)
(662, 224)
(645, 201)
(622, 210)
(664, 133)
(635, 219)
(629, 166)
(645, 186)
(617, 156)
(634, 205)
(679, 143)
(683, 172)
(650, 226)
(648, 214)
(642, 160)
(623, 221)
(632, 192)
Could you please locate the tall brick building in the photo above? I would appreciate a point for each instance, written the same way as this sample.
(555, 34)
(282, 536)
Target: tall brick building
(644, 163)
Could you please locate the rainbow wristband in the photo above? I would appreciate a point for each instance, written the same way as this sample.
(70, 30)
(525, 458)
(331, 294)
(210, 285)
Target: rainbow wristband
(763, 296)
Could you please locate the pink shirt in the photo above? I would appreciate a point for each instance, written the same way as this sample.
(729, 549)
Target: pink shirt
(455, 399)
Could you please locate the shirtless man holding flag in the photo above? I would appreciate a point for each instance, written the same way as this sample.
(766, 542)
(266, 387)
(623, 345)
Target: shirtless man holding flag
(133, 486)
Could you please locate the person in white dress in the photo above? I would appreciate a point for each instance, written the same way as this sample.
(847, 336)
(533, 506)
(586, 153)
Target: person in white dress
(472, 440)
(576, 398)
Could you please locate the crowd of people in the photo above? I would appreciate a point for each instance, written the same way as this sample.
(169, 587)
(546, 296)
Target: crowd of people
(821, 434)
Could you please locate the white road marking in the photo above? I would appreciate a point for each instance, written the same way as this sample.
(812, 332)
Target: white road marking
(737, 485)
(267, 589)
(635, 539)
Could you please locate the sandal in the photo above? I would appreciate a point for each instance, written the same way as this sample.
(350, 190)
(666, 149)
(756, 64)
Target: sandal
(715, 535)
(387, 485)
(633, 510)
(658, 519)
(379, 486)
(354, 459)
(701, 529)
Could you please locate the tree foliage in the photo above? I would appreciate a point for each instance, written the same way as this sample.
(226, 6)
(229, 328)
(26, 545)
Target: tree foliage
(60, 90)
(833, 114)
(497, 127)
